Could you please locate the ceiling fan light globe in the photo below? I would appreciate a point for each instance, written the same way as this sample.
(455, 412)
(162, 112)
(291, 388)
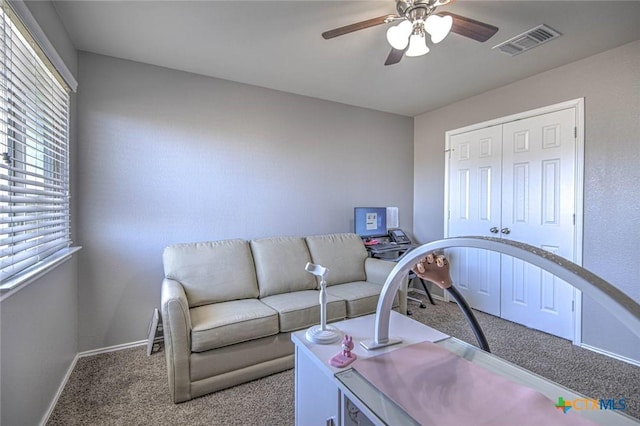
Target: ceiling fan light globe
(396, 38)
(405, 28)
(438, 27)
(417, 46)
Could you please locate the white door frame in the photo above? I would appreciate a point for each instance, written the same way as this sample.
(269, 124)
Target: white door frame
(578, 105)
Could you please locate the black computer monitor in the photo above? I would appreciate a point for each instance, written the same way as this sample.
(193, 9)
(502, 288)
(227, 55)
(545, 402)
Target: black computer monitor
(370, 222)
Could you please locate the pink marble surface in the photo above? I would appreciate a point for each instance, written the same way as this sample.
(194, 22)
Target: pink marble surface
(437, 387)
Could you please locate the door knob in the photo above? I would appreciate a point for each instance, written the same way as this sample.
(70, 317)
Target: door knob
(505, 231)
(494, 230)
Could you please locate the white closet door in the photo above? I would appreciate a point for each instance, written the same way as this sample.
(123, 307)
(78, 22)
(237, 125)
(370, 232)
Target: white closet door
(538, 184)
(474, 209)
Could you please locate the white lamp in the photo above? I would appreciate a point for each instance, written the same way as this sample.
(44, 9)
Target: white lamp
(438, 27)
(417, 45)
(323, 333)
(398, 36)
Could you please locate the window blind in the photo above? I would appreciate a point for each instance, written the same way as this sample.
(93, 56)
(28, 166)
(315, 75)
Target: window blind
(34, 149)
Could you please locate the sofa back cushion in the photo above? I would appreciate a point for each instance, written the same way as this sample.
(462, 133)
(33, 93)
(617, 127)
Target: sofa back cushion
(212, 272)
(280, 265)
(343, 254)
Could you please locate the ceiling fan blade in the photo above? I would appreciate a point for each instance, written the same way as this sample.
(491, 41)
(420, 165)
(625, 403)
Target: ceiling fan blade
(471, 28)
(394, 56)
(358, 26)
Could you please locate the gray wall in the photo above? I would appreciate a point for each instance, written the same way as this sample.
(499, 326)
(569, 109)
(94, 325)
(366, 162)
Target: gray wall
(38, 326)
(170, 157)
(39, 323)
(610, 84)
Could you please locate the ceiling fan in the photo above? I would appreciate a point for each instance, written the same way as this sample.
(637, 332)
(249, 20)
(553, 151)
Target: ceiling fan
(419, 18)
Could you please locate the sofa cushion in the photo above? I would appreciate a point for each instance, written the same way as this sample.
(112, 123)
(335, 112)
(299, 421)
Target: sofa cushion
(343, 254)
(249, 354)
(280, 263)
(301, 309)
(222, 324)
(361, 297)
(212, 272)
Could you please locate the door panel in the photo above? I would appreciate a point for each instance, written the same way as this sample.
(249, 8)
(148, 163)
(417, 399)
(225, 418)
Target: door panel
(538, 172)
(535, 298)
(474, 208)
(540, 181)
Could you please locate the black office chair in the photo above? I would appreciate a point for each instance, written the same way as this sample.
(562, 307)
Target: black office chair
(412, 277)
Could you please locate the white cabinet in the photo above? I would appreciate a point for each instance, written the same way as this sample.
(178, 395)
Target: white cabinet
(320, 399)
(317, 396)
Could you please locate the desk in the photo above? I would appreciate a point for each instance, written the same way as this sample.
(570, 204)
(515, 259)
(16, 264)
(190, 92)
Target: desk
(389, 250)
(325, 395)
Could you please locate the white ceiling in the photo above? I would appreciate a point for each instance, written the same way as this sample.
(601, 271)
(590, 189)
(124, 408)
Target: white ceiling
(277, 44)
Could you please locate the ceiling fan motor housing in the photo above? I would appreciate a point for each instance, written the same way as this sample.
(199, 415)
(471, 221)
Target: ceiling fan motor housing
(418, 9)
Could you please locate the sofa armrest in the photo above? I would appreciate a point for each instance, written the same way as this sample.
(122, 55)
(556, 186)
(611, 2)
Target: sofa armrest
(176, 326)
(377, 271)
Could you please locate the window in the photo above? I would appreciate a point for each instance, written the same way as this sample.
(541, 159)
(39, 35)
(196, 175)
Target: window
(34, 153)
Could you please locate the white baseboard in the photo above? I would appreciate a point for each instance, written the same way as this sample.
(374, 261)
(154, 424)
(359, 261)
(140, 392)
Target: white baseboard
(92, 352)
(54, 401)
(611, 355)
(113, 348)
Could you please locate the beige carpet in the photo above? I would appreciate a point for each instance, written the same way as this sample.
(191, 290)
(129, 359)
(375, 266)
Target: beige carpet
(129, 388)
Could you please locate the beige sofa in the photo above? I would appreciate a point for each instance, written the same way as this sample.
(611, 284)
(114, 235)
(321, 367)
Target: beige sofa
(228, 307)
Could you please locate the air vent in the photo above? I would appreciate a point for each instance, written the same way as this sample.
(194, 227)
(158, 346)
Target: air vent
(528, 40)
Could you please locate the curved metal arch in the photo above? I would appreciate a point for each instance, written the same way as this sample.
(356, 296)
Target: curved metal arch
(615, 301)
